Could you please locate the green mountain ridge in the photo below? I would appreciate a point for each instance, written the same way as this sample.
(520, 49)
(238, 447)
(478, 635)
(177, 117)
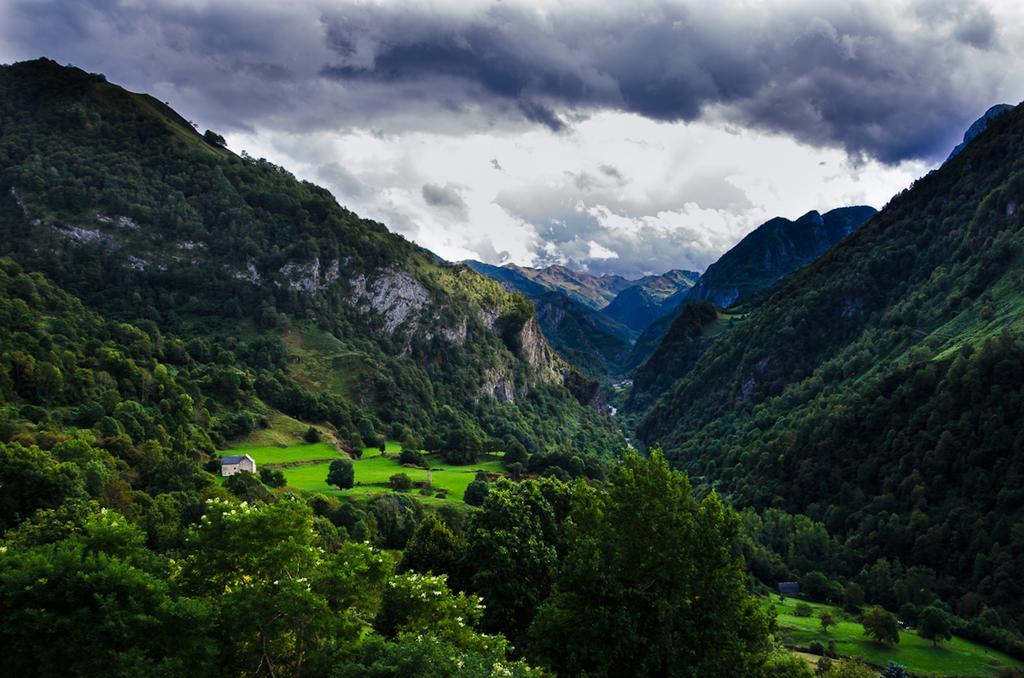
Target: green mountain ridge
(772, 251)
(121, 202)
(879, 389)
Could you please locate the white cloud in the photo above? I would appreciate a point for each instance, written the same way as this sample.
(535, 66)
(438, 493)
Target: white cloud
(620, 193)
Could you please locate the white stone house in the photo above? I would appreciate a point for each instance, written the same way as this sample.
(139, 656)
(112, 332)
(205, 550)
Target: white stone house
(231, 465)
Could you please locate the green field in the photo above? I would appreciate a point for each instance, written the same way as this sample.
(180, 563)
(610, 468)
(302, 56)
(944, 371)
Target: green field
(269, 455)
(957, 657)
(373, 470)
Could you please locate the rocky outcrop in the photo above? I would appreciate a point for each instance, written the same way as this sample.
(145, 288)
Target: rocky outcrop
(499, 386)
(310, 278)
(396, 296)
(537, 352)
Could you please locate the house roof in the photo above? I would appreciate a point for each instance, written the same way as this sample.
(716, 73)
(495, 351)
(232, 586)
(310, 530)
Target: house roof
(235, 459)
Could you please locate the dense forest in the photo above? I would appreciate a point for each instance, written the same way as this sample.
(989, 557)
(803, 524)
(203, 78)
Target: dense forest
(878, 391)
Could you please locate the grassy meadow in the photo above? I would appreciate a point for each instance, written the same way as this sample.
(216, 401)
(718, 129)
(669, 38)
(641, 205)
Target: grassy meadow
(957, 657)
(305, 468)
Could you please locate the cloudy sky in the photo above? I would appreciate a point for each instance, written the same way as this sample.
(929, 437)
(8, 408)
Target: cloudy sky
(625, 137)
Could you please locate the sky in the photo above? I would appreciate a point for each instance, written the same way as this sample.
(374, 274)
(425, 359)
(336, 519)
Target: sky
(617, 137)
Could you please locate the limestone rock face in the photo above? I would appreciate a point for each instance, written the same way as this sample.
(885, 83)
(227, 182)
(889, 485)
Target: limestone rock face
(396, 295)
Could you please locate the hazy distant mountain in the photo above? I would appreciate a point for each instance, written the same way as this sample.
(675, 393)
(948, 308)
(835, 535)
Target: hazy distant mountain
(594, 335)
(638, 306)
(977, 127)
(593, 291)
(773, 250)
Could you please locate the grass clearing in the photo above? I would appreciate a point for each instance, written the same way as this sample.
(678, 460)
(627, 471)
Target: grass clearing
(374, 469)
(958, 657)
(270, 455)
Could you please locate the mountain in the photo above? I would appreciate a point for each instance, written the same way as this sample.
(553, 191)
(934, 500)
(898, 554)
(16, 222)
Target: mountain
(977, 127)
(686, 336)
(511, 278)
(880, 391)
(592, 342)
(286, 301)
(593, 291)
(589, 340)
(773, 250)
(638, 306)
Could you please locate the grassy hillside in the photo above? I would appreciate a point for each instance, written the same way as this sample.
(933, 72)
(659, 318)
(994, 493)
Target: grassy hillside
(956, 657)
(879, 389)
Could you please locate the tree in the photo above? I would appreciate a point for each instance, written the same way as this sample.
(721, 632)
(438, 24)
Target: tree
(260, 565)
(214, 139)
(247, 487)
(620, 607)
(853, 596)
(463, 446)
(341, 474)
(101, 588)
(815, 585)
(412, 458)
(272, 477)
(513, 549)
(476, 493)
(400, 482)
(881, 625)
(30, 479)
(433, 548)
(826, 621)
(785, 664)
(894, 670)
(934, 624)
(312, 435)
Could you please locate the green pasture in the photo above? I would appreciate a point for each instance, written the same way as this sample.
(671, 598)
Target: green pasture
(957, 657)
(374, 469)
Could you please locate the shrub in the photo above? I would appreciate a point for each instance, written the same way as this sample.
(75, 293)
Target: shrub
(311, 435)
(476, 492)
(400, 482)
(272, 477)
(412, 458)
(803, 610)
(881, 625)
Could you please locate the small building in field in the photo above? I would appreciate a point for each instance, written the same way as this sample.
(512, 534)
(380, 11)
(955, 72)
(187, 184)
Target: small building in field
(789, 588)
(232, 464)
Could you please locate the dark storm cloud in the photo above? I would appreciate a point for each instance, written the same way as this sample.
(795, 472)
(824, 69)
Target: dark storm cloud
(891, 81)
(446, 198)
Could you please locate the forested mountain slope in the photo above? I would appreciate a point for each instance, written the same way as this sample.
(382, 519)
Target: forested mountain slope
(881, 389)
(325, 315)
(773, 250)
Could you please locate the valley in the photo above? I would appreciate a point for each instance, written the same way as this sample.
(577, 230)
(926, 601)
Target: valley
(471, 469)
